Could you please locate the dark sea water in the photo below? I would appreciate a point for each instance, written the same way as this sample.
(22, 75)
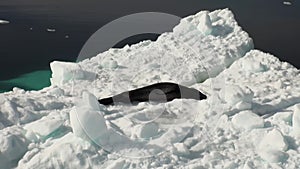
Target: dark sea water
(26, 48)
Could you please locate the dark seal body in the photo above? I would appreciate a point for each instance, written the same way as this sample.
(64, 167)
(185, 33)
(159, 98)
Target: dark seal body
(158, 92)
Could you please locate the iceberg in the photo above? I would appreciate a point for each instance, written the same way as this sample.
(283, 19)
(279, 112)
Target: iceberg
(252, 106)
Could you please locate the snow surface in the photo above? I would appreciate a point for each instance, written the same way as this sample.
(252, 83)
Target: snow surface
(251, 118)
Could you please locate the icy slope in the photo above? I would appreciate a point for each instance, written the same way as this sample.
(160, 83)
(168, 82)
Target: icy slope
(251, 118)
(186, 56)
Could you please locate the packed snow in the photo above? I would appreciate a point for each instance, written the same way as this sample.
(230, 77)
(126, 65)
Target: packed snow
(251, 118)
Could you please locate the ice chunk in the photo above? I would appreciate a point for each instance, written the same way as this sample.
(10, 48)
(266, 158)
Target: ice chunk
(63, 72)
(118, 164)
(13, 146)
(87, 123)
(109, 63)
(273, 156)
(1, 126)
(248, 165)
(283, 117)
(268, 96)
(252, 65)
(12, 114)
(205, 25)
(230, 165)
(51, 105)
(180, 149)
(31, 136)
(272, 147)
(243, 105)
(44, 126)
(67, 152)
(274, 140)
(2, 98)
(56, 91)
(87, 120)
(234, 94)
(147, 130)
(18, 90)
(296, 120)
(89, 101)
(247, 120)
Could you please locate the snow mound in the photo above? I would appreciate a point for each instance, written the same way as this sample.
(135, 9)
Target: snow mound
(235, 94)
(147, 130)
(205, 25)
(252, 106)
(273, 89)
(185, 56)
(87, 118)
(272, 147)
(13, 146)
(247, 120)
(43, 127)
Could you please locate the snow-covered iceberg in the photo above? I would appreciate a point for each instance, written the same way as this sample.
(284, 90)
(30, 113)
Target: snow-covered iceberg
(253, 106)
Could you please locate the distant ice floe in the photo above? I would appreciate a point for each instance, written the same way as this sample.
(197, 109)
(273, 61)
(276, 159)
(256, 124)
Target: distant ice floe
(3, 22)
(51, 30)
(287, 3)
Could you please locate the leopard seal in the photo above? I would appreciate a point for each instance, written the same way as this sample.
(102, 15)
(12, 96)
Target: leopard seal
(158, 92)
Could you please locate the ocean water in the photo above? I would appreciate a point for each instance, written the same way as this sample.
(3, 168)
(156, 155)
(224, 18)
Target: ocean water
(26, 48)
(39, 79)
(31, 81)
